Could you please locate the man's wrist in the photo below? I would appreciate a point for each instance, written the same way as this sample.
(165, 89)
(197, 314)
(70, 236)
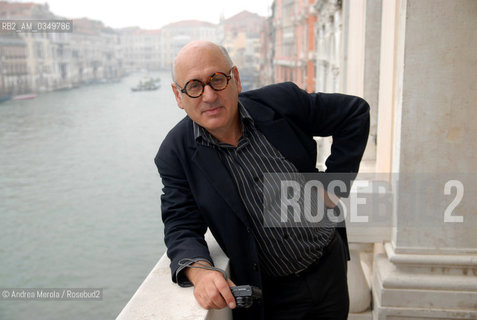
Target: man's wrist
(181, 276)
(192, 273)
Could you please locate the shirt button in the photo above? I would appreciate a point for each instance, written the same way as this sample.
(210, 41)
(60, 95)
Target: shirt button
(255, 266)
(249, 230)
(256, 179)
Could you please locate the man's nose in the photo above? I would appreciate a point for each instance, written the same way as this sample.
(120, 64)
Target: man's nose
(209, 94)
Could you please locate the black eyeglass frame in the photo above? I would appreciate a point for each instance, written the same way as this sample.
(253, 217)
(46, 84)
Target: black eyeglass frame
(208, 82)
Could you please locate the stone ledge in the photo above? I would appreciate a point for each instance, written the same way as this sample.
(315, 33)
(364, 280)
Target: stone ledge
(158, 298)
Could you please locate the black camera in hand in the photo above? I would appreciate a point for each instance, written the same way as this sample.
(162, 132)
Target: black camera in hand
(244, 295)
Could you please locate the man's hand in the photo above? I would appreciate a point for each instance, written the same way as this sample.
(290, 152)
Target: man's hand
(330, 200)
(210, 288)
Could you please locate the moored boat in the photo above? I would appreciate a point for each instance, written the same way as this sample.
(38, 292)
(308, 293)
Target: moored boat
(24, 96)
(147, 85)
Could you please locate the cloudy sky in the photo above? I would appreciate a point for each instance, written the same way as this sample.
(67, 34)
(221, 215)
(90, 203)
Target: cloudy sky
(153, 14)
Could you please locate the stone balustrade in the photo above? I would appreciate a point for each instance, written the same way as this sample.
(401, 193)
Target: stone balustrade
(158, 298)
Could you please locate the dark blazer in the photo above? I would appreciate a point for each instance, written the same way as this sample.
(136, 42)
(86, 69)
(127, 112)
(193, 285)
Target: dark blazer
(199, 192)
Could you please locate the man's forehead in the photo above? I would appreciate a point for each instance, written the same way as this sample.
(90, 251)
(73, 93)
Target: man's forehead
(200, 62)
(196, 46)
(196, 51)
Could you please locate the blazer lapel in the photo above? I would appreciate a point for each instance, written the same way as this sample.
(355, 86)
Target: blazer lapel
(208, 161)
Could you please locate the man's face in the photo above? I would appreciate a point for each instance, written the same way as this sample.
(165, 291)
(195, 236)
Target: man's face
(216, 111)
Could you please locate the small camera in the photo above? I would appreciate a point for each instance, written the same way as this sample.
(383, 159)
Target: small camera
(244, 295)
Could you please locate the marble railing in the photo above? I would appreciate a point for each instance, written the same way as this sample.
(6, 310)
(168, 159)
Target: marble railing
(158, 298)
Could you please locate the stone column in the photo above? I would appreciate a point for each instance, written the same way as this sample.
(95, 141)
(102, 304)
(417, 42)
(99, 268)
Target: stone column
(426, 131)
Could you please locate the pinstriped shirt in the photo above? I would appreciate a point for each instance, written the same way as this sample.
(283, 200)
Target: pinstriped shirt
(282, 250)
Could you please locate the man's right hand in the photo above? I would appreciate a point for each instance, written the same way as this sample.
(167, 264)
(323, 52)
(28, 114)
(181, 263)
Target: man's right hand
(210, 288)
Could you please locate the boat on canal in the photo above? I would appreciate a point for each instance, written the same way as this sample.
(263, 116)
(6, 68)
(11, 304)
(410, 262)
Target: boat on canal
(148, 85)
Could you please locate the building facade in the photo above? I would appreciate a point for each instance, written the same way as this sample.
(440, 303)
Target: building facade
(141, 49)
(95, 51)
(18, 66)
(13, 66)
(91, 53)
(178, 34)
(267, 52)
(241, 38)
(294, 43)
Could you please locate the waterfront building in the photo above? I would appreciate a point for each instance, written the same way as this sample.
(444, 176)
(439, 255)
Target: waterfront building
(267, 52)
(177, 34)
(96, 53)
(13, 66)
(40, 68)
(294, 44)
(141, 49)
(241, 38)
(16, 10)
(63, 60)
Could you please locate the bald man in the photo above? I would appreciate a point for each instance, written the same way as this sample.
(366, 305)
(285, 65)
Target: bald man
(212, 165)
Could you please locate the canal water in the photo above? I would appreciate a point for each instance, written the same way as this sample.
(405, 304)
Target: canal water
(80, 194)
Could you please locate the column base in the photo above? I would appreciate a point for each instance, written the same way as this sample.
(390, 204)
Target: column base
(418, 286)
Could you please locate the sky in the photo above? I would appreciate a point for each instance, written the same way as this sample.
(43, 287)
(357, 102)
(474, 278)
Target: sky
(153, 14)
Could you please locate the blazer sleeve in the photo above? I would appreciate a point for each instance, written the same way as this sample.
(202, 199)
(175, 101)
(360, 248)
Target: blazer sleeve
(343, 117)
(346, 119)
(184, 227)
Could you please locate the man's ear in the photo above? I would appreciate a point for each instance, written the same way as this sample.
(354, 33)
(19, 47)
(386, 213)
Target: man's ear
(177, 94)
(237, 79)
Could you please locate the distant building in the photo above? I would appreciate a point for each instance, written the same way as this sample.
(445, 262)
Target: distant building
(13, 66)
(329, 38)
(95, 52)
(267, 52)
(18, 50)
(61, 60)
(293, 22)
(241, 38)
(18, 10)
(47, 68)
(141, 48)
(176, 35)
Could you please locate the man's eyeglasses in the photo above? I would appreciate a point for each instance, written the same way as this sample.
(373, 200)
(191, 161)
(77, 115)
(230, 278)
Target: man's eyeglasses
(195, 88)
